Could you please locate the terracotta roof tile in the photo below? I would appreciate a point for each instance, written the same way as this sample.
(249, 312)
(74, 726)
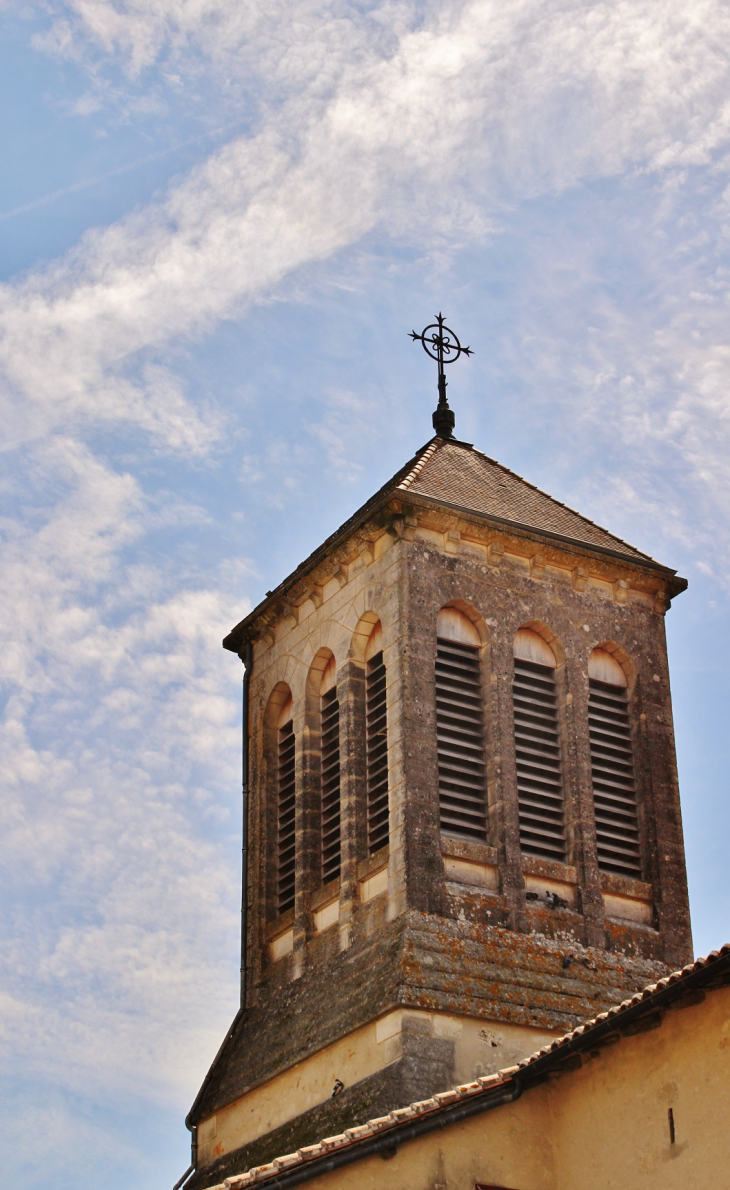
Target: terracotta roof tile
(359, 1131)
(443, 1101)
(287, 1160)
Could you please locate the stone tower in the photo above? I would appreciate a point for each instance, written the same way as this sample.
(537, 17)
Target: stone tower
(463, 820)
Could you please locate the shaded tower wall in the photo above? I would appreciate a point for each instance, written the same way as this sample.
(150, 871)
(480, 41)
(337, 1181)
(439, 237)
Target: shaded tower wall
(436, 957)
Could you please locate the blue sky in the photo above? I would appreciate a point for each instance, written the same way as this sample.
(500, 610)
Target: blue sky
(219, 221)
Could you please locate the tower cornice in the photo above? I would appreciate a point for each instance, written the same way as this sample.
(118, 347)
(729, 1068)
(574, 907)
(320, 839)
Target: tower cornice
(385, 509)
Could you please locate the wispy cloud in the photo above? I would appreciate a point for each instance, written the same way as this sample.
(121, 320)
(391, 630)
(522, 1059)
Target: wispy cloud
(407, 121)
(518, 103)
(118, 716)
(87, 183)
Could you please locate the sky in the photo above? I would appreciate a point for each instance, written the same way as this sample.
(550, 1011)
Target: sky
(219, 219)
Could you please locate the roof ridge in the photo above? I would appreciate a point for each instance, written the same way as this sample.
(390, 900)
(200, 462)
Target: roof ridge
(445, 1099)
(561, 504)
(428, 453)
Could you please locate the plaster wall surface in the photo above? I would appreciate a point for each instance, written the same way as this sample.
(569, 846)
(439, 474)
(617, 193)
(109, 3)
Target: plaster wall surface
(479, 1047)
(622, 1101)
(603, 1127)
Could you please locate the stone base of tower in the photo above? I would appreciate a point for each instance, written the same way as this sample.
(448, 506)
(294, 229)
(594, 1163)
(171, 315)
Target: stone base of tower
(424, 1004)
(425, 1069)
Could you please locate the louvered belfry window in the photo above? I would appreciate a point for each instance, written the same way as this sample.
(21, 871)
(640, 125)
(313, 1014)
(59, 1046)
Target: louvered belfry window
(612, 765)
(285, 821)
(537, 749)
(376, 745)
(460, 728)
(330, 758)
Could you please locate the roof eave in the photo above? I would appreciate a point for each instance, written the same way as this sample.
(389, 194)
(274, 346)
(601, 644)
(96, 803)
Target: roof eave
(642, 561)
(494, 1091)
(238, 636)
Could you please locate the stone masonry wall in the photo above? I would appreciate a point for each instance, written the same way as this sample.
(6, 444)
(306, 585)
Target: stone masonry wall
(500, 599)
(429, 942)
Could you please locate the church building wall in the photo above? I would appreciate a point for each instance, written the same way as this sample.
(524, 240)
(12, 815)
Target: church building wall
(602, 1126)
(638, 1100)
(404, 583)
(337, 617)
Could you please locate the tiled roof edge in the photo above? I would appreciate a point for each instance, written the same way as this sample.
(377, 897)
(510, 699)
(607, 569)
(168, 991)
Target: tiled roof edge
(403, 481)
(236, 636)
(586, 520)
(427, 454)
(489, 1091)
(634, 559)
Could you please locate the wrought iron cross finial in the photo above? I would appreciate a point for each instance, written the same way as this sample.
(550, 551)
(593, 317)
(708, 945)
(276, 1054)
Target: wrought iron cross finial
(440, 342)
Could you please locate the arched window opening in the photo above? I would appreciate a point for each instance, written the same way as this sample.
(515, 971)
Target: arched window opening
(537, 748)
(460, 728)
(330, 757)
(285, 817)
(376, 743)
(612, 766)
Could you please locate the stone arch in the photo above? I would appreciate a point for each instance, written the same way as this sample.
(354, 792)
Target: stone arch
(618, 810)
(287, 671)
(542, 793)
(329, 676)
(470, 631)
(277, 712)
(322, 672)
(322, 804)
(375, 641)
(368, 623)
(326, 637)
(462, 750)
(278, 705)
(367, 643)
(609, 657)
(321, 677)
(541, 639)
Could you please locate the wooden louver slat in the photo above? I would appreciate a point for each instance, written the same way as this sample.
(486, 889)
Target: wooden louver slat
(376, 754)
(614, 791)
(330, 756)
(460, 741)
(285, 825)
(537, 751)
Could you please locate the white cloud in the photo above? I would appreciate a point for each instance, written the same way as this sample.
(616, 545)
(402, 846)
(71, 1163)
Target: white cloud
(474, 109)
(138, 713)
(121, 726)
(65, 1140)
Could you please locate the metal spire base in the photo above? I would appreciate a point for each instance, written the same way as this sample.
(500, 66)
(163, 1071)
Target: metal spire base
(443, 346)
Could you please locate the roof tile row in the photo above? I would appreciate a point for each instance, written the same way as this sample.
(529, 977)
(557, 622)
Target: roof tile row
(446, 1098)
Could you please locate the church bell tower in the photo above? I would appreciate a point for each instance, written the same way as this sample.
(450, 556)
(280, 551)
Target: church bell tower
(463, 829)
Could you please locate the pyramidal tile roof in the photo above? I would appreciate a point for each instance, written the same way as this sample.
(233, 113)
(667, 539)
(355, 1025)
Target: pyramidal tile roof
(453, 474)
